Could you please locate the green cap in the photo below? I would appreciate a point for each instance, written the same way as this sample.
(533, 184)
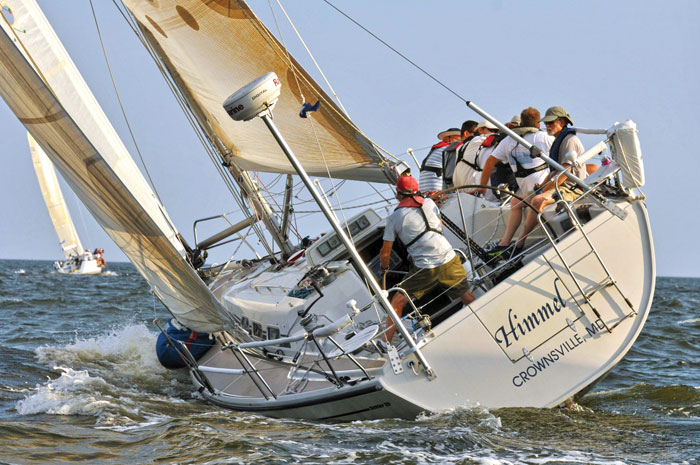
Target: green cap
(556, 112)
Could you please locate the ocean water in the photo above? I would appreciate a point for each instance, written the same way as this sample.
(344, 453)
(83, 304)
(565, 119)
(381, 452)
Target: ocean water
(80, 383)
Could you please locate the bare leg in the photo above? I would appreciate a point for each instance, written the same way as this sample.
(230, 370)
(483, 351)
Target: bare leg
(539, 202)
(514, 219)
(467, 298)
(398, 302)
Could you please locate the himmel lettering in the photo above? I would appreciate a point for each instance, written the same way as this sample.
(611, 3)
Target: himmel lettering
(531, 321)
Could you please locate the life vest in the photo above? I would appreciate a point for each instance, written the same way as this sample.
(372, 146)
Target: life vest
(450, 158)
(518, 170)
(411, 202)
(556, 145)
(491, 141)
(434, 169)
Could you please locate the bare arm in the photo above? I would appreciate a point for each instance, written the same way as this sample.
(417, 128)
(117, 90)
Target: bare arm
(385, 254)
(486, 174)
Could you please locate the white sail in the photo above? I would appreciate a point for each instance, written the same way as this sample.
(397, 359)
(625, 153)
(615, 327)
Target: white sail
(42, 86)
(53, 197)
(212, 49)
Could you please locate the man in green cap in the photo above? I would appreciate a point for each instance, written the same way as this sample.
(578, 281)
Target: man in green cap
(565, 149)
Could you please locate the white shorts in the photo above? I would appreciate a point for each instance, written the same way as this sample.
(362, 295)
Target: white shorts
(526, 185)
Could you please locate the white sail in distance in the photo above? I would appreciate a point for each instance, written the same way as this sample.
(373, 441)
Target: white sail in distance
(213, 48)
(42, 86)
(55, 203)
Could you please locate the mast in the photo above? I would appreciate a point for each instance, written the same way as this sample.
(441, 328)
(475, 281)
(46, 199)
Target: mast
(256, 100)
(260, 204)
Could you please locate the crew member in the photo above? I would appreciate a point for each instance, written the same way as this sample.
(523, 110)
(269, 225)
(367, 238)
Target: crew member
(416, 221)
(565, 148)
(529, 172)
(432, 166)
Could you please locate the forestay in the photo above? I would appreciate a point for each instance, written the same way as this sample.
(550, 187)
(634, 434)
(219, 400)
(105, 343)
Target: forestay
(63, 116)
(213, 48)
(51, 191)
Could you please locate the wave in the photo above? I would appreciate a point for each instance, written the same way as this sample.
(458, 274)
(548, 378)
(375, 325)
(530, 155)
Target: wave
(672, 400)
(120, 345)
(114, 377)
(12, 302)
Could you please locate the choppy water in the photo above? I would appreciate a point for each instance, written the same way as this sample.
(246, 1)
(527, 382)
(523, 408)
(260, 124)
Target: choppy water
(80, 383)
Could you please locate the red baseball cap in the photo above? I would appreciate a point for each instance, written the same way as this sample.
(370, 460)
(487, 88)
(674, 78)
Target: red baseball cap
(407, 185)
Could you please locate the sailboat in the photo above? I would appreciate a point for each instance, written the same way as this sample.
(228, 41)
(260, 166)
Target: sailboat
(297, 332)
(77, 261)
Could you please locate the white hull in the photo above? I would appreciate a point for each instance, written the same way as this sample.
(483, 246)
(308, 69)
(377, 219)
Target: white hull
(476, 355)
(71, 267)
(472, 367)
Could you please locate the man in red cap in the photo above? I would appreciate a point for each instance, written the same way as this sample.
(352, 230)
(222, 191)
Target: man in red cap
(416, 221)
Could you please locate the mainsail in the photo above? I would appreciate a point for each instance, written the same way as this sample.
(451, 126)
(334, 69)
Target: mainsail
(212, 48)
(41, 85)
(53, 197)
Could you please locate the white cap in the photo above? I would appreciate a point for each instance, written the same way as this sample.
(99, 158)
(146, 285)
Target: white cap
(487, 124)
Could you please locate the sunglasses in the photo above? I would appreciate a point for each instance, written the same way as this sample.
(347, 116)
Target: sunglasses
(547, 123)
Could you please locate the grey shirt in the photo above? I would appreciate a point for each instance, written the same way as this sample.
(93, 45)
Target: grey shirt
(432, 249)
(572, 144)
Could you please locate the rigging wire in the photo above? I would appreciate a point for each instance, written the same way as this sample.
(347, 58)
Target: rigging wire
(275, 47)
(286, 50)
(295, 72)
(311, 119)
(121, 105)
(274, 200)
(395, 51)
(318, 67)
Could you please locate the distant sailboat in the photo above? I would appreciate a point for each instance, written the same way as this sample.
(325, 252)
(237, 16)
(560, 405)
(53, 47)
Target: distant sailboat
(77, 261)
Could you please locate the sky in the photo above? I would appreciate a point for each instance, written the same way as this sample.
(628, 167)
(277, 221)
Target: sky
(603, 61)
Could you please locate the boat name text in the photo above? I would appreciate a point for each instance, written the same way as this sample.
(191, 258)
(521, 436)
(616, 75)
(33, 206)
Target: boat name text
(516, 327)
(556, 354)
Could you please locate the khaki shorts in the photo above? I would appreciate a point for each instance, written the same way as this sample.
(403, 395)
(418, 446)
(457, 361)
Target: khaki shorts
(451, 276)
(568, 195)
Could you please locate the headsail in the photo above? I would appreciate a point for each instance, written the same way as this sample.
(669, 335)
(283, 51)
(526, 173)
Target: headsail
(41, 85)
(212, 48)
(51, 191)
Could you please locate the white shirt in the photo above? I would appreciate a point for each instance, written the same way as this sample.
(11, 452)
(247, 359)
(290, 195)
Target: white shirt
(432, 249)
(473, 153)
(465, 174)
(509, 150)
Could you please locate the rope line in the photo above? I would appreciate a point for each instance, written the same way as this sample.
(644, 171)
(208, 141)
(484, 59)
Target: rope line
(395, 51)
(121, 104)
